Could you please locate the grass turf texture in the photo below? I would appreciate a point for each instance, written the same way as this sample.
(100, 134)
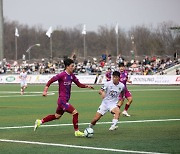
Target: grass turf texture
(150, 103)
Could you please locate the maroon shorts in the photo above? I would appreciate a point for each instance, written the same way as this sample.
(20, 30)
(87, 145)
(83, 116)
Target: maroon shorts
(64, 106)
(127, 93)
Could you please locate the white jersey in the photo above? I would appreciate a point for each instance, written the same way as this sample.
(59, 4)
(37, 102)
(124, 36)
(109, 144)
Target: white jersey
(112, 91)
(23, 76)
(112, 96)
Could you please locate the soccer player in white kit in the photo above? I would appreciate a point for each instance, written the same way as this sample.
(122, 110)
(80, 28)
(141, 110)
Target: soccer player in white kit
(23, 83)
(112, 92)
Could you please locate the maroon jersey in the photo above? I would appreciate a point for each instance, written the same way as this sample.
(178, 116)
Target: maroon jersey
(65, 80)
(124, 77)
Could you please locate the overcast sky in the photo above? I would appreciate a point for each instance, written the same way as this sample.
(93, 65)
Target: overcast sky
(93, 13)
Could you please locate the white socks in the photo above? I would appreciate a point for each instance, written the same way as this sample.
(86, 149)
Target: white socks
(114, 122)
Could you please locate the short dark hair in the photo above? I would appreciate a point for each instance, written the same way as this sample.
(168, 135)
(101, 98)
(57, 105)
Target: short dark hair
(68, 62)
(121, 64)
(116, 73)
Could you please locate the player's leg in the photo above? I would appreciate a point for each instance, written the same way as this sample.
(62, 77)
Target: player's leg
(48, 118)
(95, 119)
(51, 117)
(100, 112)
(22, 91)
(22, 88)
(128, 96)
(116, 112)
(70, 109)
(25, 86)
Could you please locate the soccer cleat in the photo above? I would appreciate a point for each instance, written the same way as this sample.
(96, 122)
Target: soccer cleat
(125, 113)
(37, 124)
(78, 133)
(113, 128)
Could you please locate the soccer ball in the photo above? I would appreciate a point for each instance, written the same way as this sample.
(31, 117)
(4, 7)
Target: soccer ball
(88, 132)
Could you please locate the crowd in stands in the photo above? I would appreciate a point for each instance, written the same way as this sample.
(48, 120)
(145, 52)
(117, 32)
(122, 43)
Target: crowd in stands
(147, 66)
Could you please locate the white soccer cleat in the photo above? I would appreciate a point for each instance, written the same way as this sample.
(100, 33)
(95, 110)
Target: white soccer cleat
(113, 128)
(125, 113)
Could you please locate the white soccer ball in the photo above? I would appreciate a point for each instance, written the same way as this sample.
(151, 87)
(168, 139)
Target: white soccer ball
(88, 132)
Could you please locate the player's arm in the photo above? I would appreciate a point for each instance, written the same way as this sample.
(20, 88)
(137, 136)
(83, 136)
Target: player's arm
(102, 93)
(53, 79)
(103, 90)
(89, 86)
(76, 81)
(121, 99)
(45, 91)
(108, 78)
(129, 81)
(120, 103)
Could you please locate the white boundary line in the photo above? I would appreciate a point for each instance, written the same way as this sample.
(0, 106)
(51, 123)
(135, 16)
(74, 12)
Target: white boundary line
(99, 123)
(79, 147)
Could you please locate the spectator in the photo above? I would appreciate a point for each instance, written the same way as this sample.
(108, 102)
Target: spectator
(104, 57)
(177, 72)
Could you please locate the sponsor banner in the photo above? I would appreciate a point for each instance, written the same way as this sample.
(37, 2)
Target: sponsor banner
(148, 79)
(101, 79)
(90, 79)
(155, 79)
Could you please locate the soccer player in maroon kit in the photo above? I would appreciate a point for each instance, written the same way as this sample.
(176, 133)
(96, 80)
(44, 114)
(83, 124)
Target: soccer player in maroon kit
(65, 80)
(108, 74)
(127, 93)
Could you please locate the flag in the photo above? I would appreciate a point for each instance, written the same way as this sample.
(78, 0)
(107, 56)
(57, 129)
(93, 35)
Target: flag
(16, 32)
(116, 28)
(84, 30)
(49, 32)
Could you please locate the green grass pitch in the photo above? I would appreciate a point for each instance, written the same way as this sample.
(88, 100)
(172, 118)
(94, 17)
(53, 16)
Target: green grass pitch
(154, 125)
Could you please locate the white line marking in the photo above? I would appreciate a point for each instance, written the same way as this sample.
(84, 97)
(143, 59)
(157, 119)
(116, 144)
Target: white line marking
(26, 94)
(129, 89)
(76, 146)
(99, 123)
(153, 89)
(73, 91)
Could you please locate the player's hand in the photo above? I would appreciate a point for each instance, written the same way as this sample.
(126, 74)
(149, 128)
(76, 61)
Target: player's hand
(44, 93)
(91, 87)
(130, 81)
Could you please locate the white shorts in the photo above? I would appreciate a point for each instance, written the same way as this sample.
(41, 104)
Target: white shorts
(23, 83)
(105, 107)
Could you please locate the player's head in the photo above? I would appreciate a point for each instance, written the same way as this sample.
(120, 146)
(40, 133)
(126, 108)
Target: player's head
(121, 67)
(115, 77)
(69, 65)
(109, 69)
(24, 70)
